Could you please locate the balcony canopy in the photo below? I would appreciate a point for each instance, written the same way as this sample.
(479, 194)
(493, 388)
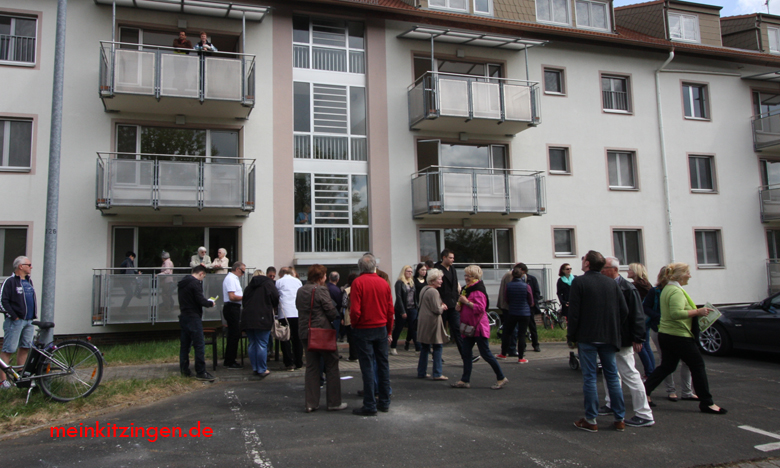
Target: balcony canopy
(196, 7)
(461, 37)
(773, 75)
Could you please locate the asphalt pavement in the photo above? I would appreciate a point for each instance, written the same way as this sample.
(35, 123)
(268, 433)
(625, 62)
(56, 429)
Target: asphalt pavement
(529, 423)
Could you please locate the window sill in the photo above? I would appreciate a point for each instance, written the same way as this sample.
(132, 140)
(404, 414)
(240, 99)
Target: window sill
(704, 191)
(710, 267)
(592, 28)
(698, 119)
(553, 23)
(16, 169)
(565, 255)
(617, 111)
(560, 173)
(17, 64)
(685, 40)
(624, 189)
(554, 93)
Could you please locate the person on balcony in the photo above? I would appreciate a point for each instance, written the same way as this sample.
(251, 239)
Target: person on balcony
(182, 44)
(167, 282)
(131, 287)
(221, 263)
(201, 258)
(204, 46)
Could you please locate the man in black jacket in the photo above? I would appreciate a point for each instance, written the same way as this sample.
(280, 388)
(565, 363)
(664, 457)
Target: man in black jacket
(191, 303)
(597, 309)
(19, 306)
(632, 337)
(534, 283)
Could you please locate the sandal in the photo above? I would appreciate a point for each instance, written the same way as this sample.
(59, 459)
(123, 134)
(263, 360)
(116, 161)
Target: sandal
(441, 377)
(672, 397)
(461, 384)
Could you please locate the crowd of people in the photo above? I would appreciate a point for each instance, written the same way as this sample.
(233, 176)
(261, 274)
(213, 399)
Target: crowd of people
(610, 320)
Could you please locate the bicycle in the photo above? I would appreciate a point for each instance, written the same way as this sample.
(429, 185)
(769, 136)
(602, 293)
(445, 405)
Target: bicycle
(64, 371)
(551, 315)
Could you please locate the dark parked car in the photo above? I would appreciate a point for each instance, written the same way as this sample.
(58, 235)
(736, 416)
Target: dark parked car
(751, 326)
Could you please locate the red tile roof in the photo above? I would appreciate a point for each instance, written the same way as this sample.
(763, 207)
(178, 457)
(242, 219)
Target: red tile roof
(622, 36)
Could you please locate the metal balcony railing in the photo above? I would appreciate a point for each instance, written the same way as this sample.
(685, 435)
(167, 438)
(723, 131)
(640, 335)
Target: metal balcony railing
(766, 130)
(773, 275)
(439, 189)
(163, 180)
(127, 68)
(17, 48)
(148, 297)
(615, 100)
(770, 202)
(469, 97)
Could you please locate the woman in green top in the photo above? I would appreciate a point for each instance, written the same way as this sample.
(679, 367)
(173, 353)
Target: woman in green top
(678, 339)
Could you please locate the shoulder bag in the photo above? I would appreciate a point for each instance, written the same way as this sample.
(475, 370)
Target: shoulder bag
(321, 340)
(281, 330)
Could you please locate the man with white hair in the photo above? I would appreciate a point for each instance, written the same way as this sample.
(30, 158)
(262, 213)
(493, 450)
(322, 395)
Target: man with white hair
(19, 307)
(201, 258)
(632, 337)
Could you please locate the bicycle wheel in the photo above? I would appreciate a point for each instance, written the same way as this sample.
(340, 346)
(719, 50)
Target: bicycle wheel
(494, 319)
(561, 321)
(73, 371)
(547, 321)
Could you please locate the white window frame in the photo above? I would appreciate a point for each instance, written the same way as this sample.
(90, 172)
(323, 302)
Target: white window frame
(348, 50)
(717, 263)
(550, 9)
(36, 39)
(489, 12)
(640, 246)
(682, 17)
(567, 159)
(711, 163)
(618, 185)
(627, 80)
(447, 6)
(6, 145)
(562, 77)
(705, 93)
(774, 46)
(572, 242)
(590, 14)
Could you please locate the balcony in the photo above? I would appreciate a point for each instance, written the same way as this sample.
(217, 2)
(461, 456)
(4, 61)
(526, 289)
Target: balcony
(148, 297)
(151, 79)
(447, 102)
(770, 203)
(766, 133)
(451, 192)
(130, 181)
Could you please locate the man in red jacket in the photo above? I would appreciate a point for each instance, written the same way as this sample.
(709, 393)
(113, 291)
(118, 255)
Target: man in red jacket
(371, 313)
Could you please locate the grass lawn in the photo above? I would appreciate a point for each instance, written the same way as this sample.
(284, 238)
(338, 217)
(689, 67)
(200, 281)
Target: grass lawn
(15, 415)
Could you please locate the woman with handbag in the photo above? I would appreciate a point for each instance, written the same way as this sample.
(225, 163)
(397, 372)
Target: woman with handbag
(257, 319)
(430, 330)
(475, 328)
(316, 314)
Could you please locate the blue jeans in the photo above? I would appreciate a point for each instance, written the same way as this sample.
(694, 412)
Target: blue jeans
(371, 344)
(192, 336)
(646, 355)
(422, 365)
(484, 351)
(589, 352)
(258, 349)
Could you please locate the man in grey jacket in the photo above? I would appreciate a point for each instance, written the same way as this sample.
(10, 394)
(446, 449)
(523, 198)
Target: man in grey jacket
(597, 309)
(632, 337)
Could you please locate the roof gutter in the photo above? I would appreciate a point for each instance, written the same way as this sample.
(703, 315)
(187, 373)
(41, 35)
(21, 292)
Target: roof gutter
(662, 142)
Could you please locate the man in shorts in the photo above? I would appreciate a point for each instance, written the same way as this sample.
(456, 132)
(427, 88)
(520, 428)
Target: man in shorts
(19, 307)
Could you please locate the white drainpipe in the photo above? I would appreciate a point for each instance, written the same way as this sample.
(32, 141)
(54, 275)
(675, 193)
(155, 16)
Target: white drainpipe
(667, 197)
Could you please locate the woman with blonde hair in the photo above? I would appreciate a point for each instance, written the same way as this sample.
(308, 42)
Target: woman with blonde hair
(431, 331)
(678, 333)
(405, 310)
(475, 328)
(638, 274)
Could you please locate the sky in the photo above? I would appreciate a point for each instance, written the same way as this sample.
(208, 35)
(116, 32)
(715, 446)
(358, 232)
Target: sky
(730, 7)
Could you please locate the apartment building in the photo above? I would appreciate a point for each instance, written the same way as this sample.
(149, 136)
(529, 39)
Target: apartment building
(505, 130)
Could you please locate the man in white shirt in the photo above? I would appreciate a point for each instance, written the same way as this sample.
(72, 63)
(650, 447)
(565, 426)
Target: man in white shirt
(288, 285)
(231, 311)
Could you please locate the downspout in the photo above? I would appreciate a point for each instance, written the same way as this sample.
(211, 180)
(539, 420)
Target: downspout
(662, 141)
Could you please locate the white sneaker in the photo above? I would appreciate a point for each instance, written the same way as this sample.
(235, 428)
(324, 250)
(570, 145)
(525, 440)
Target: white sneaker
(393, 352)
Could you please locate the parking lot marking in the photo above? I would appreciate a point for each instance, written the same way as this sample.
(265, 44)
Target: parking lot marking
(251, 440)
(764, 447)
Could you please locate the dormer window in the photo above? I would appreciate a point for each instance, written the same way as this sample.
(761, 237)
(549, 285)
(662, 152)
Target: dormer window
(553, 11)
(774, 40)
(592, 14)
(684, 27)
(460, 5)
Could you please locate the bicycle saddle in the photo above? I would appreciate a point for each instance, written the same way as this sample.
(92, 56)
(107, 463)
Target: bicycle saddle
(43, 325)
